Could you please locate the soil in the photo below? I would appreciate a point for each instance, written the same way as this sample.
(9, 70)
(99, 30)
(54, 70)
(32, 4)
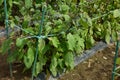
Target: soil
(98, 67)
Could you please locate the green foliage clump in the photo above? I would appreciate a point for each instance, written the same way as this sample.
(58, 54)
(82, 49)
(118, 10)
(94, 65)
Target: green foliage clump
(70, 26)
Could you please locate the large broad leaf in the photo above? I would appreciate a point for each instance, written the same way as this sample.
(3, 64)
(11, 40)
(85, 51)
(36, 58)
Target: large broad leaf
(116, 13)
(71, 41)
(5, 46)
(53, 66)
(29, 58)
(28, 3)
(69, 60)
(55, 42)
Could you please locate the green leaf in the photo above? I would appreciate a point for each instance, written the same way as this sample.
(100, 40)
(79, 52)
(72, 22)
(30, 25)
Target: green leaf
(114, 35)
(46, 48)
(89, 42)
(71, 41)
(60, 63)
(12, 24)
(48, 28)
(67, 17)
(29, 58)
(19, 42)
(85, 21)
(16, 2)
(118, 61)
(21, 55)
(53, 66)
(38, 69)
(116, 13)
(42, 61)
(64, 8)
(79, 44)
(1, 1)
(89, 21)
(5, 46)
(10, 3)
(41, 45)
(17, 18)
(28, 3)
(107, 38)
(69, 60)
(58, 22)
(55, 42)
